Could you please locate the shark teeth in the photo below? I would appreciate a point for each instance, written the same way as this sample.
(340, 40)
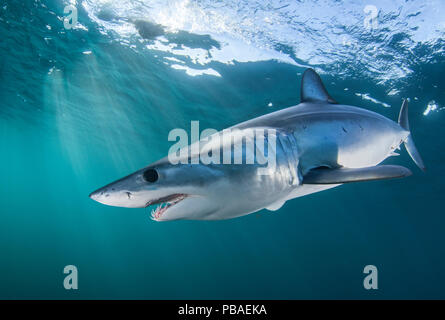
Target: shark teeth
(157, 213)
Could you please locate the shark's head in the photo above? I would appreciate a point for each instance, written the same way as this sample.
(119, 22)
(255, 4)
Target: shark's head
(181, 191)
(192, 190)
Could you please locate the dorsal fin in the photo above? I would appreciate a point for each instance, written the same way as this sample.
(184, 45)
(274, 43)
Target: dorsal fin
(312, 88)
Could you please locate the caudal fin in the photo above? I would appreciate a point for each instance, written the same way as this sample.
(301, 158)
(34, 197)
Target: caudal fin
(409, 142)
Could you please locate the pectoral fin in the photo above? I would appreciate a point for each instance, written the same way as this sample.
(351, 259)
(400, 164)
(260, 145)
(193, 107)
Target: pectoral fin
(346, 175)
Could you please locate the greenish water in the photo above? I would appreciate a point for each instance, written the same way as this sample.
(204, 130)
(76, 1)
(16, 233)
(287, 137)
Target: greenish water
(83, 107)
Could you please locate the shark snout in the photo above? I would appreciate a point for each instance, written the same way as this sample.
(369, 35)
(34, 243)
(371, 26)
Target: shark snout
(118, 198)
(101, 195)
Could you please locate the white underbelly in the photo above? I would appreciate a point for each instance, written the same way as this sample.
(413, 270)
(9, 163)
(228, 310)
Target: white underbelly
(364, 155)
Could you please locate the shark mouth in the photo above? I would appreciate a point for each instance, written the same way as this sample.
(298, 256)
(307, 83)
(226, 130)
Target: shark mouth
(165, 204)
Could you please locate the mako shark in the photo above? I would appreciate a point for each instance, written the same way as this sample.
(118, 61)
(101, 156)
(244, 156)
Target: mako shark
(320, 145)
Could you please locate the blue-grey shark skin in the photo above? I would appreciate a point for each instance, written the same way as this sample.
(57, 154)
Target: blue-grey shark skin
(317, 133)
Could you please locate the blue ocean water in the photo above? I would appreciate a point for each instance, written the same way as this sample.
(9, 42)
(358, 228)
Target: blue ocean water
(82, 107)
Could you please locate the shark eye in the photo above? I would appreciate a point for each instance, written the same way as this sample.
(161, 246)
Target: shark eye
(151, 175)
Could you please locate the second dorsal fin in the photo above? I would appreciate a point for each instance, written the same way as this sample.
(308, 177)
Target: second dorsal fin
(312, 88)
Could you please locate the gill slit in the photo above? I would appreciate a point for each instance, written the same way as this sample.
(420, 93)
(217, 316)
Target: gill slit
(289, 146)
